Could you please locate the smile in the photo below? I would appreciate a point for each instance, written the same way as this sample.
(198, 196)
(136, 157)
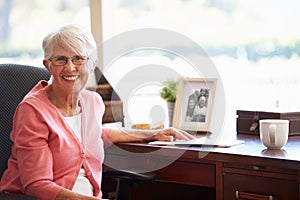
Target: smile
(71, 78)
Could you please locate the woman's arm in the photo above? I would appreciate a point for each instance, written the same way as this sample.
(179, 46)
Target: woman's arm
(134, 135)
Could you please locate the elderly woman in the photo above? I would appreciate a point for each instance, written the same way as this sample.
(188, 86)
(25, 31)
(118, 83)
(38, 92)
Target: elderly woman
(58, 138)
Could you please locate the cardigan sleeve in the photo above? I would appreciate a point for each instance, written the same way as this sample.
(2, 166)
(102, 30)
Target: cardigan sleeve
(105, 137)
(30, 137)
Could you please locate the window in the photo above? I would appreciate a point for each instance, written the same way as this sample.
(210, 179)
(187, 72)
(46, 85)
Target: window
(25, 23)
(253, 44)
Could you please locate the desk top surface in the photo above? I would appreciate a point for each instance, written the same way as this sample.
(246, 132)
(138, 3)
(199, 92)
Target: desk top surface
(252, 148)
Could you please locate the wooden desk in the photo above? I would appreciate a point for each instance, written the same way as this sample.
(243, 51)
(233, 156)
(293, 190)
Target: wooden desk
(247, 171)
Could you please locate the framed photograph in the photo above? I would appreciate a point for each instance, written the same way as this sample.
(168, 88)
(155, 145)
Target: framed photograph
(194, 104)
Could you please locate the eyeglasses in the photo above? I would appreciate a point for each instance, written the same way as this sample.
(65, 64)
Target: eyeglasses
(63, 60)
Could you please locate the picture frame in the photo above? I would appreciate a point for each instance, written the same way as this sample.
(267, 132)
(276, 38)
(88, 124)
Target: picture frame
(194, 104)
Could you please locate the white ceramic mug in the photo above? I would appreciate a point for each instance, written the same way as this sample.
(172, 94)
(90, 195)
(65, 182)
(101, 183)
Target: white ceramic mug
(274, 132)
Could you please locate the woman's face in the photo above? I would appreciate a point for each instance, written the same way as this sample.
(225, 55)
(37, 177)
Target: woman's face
(69, 77)
(192, 103)
(202, 101)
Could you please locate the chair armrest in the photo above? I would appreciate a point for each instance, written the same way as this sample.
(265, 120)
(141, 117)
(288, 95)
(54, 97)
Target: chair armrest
(16, 197)
(130, 175)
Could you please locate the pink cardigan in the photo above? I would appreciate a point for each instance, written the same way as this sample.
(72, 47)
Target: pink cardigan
(46, 154)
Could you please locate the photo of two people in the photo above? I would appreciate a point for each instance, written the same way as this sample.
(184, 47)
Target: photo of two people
(197, 106)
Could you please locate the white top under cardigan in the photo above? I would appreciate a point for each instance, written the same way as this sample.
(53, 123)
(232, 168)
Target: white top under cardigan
(82, 184)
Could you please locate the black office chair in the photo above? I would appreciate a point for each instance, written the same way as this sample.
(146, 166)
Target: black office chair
(15, 82)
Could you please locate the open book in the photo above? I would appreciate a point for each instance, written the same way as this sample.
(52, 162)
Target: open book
(203, 141)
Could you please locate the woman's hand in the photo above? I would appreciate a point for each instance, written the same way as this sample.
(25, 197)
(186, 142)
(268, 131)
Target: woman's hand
(170, 134)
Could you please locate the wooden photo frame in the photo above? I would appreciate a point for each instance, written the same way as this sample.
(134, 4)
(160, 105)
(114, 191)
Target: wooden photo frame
(194, 104)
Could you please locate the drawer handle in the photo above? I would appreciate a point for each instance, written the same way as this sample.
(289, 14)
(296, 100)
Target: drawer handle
(251, 196)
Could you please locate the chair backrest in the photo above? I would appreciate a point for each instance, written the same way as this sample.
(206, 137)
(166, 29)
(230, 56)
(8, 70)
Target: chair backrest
(15, 82)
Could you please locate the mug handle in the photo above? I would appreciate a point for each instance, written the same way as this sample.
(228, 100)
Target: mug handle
(272, 134)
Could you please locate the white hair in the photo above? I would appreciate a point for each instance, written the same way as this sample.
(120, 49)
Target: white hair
(72, 37)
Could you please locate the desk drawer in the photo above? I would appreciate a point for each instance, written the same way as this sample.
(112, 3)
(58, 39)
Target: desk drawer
(188, 173)
(260, 168)
(199, 174)
(242, 186)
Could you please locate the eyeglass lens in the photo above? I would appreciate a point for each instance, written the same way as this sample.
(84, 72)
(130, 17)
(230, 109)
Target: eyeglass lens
(63, 60)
